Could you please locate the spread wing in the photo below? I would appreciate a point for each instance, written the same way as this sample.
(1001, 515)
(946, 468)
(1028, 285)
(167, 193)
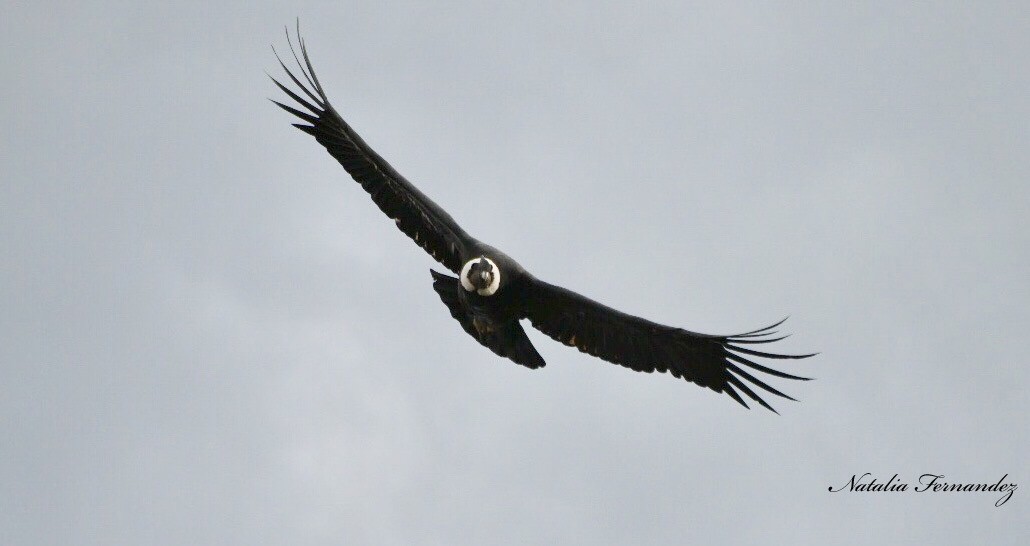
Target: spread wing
(415, 214)
(720, 363)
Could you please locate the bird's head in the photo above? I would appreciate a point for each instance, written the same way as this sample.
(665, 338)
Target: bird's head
(481, 275)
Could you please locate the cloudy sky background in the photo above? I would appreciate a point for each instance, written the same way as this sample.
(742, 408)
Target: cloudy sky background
(209, 335)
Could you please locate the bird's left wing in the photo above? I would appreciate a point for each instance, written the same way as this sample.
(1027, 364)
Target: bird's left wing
(415, 214)
(720, 363)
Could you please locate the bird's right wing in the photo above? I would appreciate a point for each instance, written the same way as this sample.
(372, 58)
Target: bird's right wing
(720, 363)
(415, 214)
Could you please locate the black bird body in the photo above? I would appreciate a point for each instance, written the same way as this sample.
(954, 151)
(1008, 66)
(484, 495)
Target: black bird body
(492, 320)
(493, 293)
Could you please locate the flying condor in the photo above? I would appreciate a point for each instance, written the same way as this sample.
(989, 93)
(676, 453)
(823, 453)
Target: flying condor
(492, 292)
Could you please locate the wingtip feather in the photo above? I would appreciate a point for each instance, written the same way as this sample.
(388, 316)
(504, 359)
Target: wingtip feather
(733, 394)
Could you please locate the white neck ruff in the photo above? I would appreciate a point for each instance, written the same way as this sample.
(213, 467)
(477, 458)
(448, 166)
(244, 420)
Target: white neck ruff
(495, 283)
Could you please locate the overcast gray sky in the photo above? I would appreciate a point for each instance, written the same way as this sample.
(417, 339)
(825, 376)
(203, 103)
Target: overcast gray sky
(209, 335)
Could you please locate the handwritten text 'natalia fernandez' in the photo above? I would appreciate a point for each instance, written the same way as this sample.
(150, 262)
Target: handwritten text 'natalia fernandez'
(933, 483)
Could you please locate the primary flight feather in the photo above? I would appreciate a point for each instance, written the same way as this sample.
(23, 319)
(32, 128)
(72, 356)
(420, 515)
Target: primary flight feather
(492, 292)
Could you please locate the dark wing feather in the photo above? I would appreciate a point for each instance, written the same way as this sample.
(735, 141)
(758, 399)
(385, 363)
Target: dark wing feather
(415, 214)
(716, 362)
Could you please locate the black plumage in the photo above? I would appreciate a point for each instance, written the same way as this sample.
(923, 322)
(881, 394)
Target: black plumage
(493, 292)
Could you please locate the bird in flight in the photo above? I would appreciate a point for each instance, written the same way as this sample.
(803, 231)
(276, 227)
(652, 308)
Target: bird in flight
(492, 292)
